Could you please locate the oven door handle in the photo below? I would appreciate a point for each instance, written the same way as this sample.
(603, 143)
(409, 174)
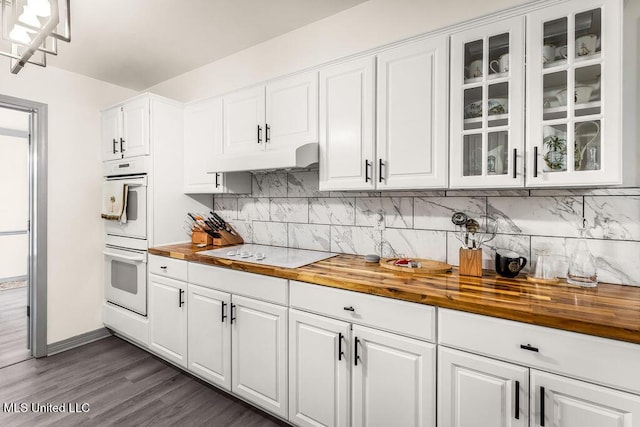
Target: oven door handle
(130, 258)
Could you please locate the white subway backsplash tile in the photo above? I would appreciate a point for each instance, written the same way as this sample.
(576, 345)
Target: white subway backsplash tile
(253, 209)
(310, 236)
(434, 213)
(355, 240)
(334, 211)
(292, 209)
(270, 233)
(427, 244)
(613, 217)
(396, 212)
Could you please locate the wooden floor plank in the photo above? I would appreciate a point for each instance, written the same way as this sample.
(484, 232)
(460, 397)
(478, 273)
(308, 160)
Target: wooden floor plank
(123, 385)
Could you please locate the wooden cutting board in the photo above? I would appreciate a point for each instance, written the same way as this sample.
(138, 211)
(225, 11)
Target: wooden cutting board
(428, 266)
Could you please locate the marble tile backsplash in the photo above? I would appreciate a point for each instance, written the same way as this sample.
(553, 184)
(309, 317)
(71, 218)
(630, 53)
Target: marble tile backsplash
(288, 209)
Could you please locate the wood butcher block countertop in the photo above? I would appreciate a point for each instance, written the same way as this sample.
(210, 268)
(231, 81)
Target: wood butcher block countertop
(609, 311)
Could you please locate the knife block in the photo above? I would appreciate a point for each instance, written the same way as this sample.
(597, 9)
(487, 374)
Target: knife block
(199, 237)
(227, 238)
(470, 262)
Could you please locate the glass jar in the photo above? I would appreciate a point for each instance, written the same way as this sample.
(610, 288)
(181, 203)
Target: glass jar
(582, 266)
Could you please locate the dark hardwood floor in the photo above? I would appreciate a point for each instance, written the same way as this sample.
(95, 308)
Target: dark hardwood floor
(123, 385)
(13, 326)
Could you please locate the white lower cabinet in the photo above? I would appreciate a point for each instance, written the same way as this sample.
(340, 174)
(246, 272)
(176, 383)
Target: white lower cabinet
(168, 318)
(478, 391)
(319, 370)
(393, 380)
(210, 335)
(342, 373)
(493, 376)
(564, 402)
(259, 353)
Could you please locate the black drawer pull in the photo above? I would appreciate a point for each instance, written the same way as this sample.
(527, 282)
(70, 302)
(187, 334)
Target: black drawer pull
(355, 347)
(535, 162)
(367, 164)
(350, 308)
(233, 317)
(528, 347)
(114, 145)
(340, 352)
(259, 134)
(224, 316)
(180, 299)
(163, 267)
(515, 161)
(380, 164)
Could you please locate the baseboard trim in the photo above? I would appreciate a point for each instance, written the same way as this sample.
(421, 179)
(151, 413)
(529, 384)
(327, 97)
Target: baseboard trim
(77, 341)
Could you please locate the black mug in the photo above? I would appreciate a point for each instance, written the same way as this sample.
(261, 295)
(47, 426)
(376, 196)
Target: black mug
(509, 263)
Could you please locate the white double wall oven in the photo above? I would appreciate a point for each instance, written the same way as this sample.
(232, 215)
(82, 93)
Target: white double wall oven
(125, 251)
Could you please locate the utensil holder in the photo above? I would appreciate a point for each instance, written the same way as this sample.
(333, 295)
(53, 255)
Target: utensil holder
(470, 262)
(199, 237)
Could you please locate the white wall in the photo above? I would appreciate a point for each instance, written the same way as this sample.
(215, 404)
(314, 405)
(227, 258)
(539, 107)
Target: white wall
(365, 26)
(75, 237)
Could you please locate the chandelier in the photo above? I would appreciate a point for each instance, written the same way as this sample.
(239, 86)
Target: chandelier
(31, 29)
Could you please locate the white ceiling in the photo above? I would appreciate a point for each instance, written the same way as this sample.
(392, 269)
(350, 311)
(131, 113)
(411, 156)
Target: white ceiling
(139, 43)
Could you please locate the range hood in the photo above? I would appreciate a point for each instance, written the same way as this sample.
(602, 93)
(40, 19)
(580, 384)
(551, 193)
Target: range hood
(293, 157)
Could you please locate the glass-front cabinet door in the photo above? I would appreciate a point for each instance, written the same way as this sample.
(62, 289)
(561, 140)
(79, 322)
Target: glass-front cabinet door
(487, 106)
(574, 80)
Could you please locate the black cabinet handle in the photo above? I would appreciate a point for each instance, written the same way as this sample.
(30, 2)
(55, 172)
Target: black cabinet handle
(180, 299)
(380, 164)
(224, 316)
(267, 133)
(233, 317)
(517, 415)
(259, 134)
(340, 352)
(355, 351)
(535, 162)
(121, 146)
(217, 180)
(367, 165)
(163, 267)
(350, 308)
(515, 160)
(528, 347)
(542, 406)
(114, 145)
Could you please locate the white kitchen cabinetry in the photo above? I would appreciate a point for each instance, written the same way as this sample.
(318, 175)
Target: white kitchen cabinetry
(412, 95)
(478, 391)
(347, 125)
(574, 94)
(280, 114)
(482, 386)
(259, 353)
(168, 318)
(202, 142)
(210, 335)
(565, 402)
(320, 370)
(392, 376)
(410, 148)
(487, 95)
(125, 130)
(239, 330)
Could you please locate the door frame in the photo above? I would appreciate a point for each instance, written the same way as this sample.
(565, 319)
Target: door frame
(37, 227)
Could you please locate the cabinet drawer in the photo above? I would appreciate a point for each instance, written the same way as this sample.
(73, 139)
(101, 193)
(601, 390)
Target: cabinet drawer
(406, 318)
(266, 288)
(124, 322)
(168, 267)
(610, 362)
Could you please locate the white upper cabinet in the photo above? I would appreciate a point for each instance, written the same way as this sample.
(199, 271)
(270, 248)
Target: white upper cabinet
(244, 117)
(487, 95)
(291, 111)
(202, 143)
(270, 117)
(574, 96)
(412, 116)
(347, 125)
(125, 130)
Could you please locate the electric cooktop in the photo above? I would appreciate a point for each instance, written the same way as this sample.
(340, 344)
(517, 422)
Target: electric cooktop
(275, 256)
